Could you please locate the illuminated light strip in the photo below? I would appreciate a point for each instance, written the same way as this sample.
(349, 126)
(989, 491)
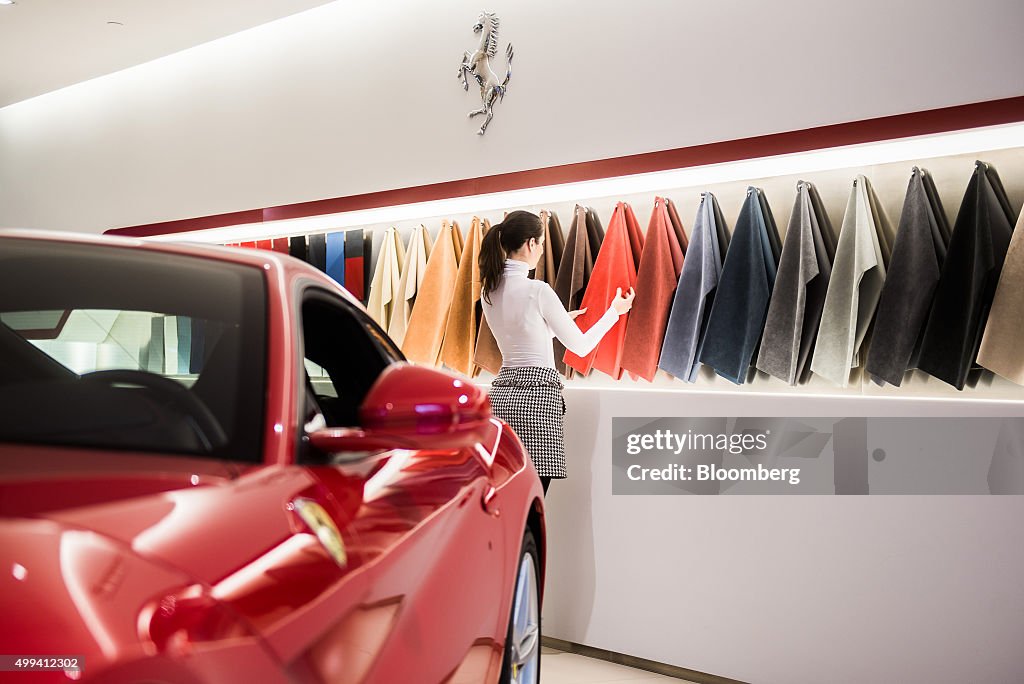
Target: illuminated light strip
(828, 159)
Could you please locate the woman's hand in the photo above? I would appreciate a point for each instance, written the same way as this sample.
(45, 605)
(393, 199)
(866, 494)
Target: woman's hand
(623, 302)
(578, 312)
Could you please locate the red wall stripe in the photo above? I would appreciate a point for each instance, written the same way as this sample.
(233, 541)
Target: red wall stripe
(989, 113)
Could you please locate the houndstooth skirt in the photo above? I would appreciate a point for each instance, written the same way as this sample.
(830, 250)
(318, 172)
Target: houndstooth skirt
(530, 400)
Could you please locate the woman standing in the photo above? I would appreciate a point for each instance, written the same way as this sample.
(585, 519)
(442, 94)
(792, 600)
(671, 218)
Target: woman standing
(524, 315)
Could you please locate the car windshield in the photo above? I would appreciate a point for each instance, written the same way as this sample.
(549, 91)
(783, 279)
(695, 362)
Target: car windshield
(122, 348)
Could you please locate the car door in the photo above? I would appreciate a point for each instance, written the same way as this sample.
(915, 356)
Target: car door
(412, 521)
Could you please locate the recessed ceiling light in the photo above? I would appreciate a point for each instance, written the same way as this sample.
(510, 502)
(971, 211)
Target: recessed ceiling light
(6, 2)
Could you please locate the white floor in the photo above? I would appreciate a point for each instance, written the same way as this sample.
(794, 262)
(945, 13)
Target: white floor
(558, 667)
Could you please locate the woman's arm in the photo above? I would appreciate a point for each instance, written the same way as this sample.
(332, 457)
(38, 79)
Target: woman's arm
(566, 330)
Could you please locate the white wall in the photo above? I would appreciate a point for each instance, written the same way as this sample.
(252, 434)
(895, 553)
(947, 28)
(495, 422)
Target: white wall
(358, 96)
(784, 589)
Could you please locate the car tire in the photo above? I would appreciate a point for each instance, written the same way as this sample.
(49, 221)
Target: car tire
(521, 661)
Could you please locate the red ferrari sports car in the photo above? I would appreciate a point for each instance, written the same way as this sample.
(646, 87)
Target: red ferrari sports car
(215, 467)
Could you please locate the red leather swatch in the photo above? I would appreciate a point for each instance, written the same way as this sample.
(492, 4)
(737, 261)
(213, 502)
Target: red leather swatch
(657, 277)
(615, 268)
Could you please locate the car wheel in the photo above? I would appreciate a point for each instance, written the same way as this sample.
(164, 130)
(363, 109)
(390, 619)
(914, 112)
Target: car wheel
(521, 664)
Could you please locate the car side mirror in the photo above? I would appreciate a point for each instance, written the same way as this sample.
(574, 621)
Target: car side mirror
(417, 400)
(414, 407)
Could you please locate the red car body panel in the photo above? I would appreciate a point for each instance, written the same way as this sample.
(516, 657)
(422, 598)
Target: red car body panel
(185, 569)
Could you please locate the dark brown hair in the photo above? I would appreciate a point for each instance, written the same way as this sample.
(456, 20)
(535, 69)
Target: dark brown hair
(505, 237)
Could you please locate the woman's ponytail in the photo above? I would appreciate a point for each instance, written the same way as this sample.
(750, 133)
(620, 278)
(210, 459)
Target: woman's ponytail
(504, 238)
(492, 262)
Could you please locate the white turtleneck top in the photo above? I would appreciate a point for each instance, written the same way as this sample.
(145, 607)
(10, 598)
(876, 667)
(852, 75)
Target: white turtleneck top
(525, 314)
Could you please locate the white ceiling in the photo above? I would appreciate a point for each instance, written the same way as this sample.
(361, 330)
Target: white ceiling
(49, 44)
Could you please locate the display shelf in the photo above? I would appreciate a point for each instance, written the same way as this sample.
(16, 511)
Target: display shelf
(888, 165)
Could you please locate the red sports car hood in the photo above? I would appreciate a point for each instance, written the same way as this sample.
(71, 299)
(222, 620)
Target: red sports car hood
(117, 613)
(117, 495)
(75, 584)
(118, 554)
(36, 481)
(203, 517)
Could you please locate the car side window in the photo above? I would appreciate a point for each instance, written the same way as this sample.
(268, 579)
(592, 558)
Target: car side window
(344, 352)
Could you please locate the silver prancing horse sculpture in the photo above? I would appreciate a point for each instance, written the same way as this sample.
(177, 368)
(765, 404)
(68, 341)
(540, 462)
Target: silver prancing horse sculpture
(478, 65)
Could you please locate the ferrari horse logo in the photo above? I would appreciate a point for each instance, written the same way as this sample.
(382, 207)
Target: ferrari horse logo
(478, 65)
